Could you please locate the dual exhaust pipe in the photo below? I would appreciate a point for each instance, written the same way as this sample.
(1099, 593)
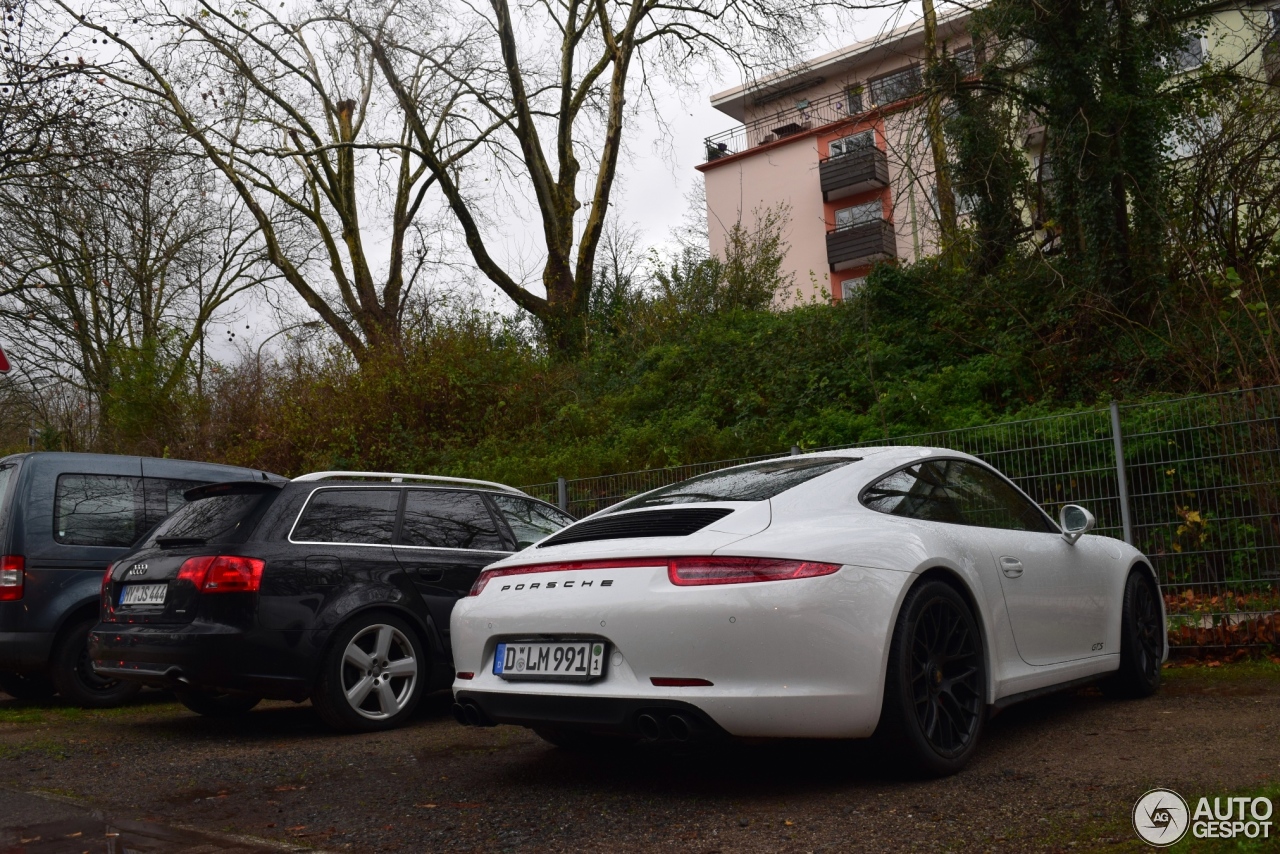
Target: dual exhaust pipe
(655, 727)
(470, 714)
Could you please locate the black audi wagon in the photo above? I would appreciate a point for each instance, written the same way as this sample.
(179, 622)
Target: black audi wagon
(335, 586)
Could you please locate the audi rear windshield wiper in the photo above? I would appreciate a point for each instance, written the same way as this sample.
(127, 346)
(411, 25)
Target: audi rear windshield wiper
(173, 542)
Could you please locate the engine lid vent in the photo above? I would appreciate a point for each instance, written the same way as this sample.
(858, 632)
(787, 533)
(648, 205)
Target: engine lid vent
(643, 523)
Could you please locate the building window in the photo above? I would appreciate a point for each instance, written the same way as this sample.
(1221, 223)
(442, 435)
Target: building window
(857, 215)
(854, 142)
(853, 97)
(1191, 55)
(849, 287)
(964, 59)
(966, 203)
(896, 86)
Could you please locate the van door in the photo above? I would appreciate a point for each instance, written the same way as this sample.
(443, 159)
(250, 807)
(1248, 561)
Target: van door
(446, 537)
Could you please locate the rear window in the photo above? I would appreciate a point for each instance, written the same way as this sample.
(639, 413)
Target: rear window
(756, 482)
(220, 519)
(353, 516)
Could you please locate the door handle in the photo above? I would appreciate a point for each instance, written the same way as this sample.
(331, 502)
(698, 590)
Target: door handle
(430, 574)
(1010, 566)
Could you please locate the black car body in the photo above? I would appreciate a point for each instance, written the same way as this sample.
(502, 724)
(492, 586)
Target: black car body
(63, 518)
(253, 585)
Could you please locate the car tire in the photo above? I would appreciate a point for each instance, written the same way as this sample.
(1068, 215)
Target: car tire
(373, 674)
(215, 705)
(72, 672)
(935, 685)
(1141, 641)
(33, 687)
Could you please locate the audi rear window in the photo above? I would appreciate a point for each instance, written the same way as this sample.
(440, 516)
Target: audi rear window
(217, 519)
(755, 482)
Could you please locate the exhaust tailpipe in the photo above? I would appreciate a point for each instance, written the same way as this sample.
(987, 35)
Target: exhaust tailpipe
(460, 714)
(680, 727)
(650, 729)
(472, 715)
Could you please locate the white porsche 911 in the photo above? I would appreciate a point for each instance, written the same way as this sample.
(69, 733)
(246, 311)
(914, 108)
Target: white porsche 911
(900, 593)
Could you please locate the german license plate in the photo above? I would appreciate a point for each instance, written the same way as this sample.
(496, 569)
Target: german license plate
(143, 594)
(550, 661)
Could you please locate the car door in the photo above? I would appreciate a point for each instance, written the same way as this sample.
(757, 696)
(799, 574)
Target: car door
(348, 526)
(446, 537)
(1054, 591)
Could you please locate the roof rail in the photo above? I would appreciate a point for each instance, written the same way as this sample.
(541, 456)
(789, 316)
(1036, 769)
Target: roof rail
(397, 477)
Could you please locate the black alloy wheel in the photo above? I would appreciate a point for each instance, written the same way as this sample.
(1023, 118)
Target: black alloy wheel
(73, 675)
(1142, 634)
(935, 689)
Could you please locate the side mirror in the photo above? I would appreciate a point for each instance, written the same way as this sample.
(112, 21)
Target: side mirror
(1076, 522)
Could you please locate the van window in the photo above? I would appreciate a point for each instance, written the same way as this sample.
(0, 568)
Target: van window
(164, 495)
(7, 473)
(97, 510)
(356, 516)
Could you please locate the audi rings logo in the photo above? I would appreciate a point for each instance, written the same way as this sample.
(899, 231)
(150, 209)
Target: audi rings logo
(1161, 817)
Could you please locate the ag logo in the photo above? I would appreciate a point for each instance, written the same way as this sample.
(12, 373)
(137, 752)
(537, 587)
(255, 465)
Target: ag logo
(1161, 817)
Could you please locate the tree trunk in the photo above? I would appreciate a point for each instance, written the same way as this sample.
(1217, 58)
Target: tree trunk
(937, 136)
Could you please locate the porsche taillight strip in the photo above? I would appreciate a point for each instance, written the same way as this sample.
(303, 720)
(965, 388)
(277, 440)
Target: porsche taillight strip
(683, 571)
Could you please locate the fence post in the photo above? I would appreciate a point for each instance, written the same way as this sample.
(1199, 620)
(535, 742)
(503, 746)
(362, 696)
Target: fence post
(795, 450)
(562, 494)
(1117, 441)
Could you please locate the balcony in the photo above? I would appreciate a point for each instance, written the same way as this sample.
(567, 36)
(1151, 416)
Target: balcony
(856, 172)
(787, 120)
(861, 244)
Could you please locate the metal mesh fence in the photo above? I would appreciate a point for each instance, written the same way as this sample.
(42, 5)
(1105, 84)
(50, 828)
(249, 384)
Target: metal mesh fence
(1196, 479)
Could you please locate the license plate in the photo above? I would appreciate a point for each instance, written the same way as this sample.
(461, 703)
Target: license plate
(550, 661)
(143, 594)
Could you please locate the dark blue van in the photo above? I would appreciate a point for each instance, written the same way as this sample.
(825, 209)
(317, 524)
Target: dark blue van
(64, 518)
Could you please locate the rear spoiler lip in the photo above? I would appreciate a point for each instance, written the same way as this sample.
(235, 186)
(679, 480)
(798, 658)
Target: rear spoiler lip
(233, 487)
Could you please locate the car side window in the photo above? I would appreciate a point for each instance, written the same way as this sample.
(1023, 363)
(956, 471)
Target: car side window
(354, 516)
(530, 521)
(97, 510)
(989, 501)
(914, 492)
(447, 519)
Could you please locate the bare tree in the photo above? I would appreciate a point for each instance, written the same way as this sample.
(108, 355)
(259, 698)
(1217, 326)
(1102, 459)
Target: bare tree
(114, 272)
(290, 112)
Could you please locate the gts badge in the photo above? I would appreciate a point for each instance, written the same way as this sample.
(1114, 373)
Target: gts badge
(136, 569)
(563, 585)
(1097, 647)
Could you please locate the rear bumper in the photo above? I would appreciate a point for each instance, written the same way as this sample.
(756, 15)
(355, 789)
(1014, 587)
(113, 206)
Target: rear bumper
(24, 651)
(269, 664)
(611, 715)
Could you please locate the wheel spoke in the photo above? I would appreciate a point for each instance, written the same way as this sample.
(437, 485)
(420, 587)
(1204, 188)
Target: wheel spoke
(358, 692)
(387, 699)
(383, 646)
(357, 658)
(402, 667)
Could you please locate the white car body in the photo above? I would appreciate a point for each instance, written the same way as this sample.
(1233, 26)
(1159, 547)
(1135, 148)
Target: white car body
(800, 657)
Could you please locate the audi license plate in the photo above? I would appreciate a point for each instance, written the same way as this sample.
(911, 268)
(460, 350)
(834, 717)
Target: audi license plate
(551, 661)
(143, 594)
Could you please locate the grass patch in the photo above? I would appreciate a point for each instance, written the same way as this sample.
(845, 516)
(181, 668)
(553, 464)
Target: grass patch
(1221, 672)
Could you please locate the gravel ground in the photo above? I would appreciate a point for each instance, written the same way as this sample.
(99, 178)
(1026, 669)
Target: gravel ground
(1058, 773)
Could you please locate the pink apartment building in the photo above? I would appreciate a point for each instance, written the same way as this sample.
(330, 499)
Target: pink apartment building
(841, 142)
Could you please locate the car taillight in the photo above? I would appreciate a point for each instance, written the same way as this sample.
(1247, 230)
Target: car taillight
(13, 577)
(223, 573)
(106, 577)
(683, 571)
(693, 571)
